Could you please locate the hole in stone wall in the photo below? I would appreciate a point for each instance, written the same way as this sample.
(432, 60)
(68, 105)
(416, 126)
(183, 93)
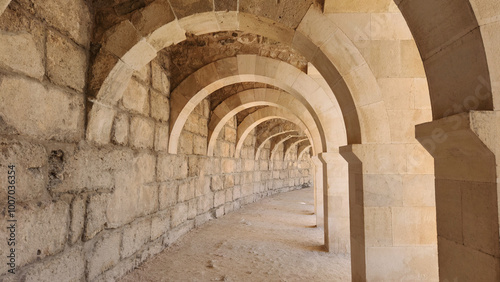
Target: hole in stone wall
(56, 167)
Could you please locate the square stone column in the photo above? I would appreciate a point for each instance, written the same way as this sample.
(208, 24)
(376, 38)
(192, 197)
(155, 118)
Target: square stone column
(393, 225)
(318, 191)
(465, 148)
(335, 203)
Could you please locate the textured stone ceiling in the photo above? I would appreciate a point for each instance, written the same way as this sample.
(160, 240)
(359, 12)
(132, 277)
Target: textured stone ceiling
(225, 92)
(198, 51)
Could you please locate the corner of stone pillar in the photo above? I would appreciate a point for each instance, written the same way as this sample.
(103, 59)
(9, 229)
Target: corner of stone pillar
(351, 153)
(318, 190)
(468, 138)
(316, 161)
(464, 147)
(336, 202)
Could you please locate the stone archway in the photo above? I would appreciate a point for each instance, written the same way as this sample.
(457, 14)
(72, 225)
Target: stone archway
(247, 99)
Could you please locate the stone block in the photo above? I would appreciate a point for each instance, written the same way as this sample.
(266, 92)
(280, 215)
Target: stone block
(412, 263)
(461, 263)
(382, 190)
(68, 266)
(458, 86)
(219, 212)
(172, 167)
(144, 165)
(378, 227)
(141, 132)
(228, 207)
(66, 118)
(179, 214)
(228, 165)
(359, 6)
(449, 210)
(162, 132)
(202, 186)
(160, 107)
(411, 62)
(167, 195)
(186, 143)
(135, 236)
(418, 190)
(103, 254)
(205, 203)
(147, 199)
(480, 217)
(77, 218)
(229, 195)
(44, 231)
(132, 179)
(121, 129)
(202, 219)
(100, 123)
(192, 209)
(192, 123)
(96, 215)
(66, 62)
(389, 26)
(186, 8)
(71, 18)
(160, 79)
(160, 224)
(247, 178)
(247, 189)
(217, 183)
(199, 145)
(236, 192)
(219, 198)
(400, 120)
(85, 168)
(228, 181)
(19, 53)
(30, 162)
(144, 74)
(186, 191)
(194, 166)
(136, 98)
(414, 226)
(230, 134)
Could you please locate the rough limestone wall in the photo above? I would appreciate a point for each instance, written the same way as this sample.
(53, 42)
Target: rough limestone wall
(43, 66)
(95, 213)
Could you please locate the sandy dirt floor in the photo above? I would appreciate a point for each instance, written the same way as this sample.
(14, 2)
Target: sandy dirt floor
(271, 240)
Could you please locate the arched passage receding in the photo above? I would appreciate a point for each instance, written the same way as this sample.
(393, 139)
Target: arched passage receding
(262, 115)
(267, 136)
(294, 144)
(306, 92)
(251, 98)
(280, 140)
(302, 150)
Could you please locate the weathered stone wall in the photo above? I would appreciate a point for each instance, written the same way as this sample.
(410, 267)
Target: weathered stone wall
(95, 212)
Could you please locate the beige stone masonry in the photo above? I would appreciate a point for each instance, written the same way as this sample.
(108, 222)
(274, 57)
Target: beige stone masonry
(467, 206)
(376, 207)
(318, 191)
(336, 203)
(19, 53)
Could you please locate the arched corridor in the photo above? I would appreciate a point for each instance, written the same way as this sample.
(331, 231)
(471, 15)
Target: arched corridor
(126, 123)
